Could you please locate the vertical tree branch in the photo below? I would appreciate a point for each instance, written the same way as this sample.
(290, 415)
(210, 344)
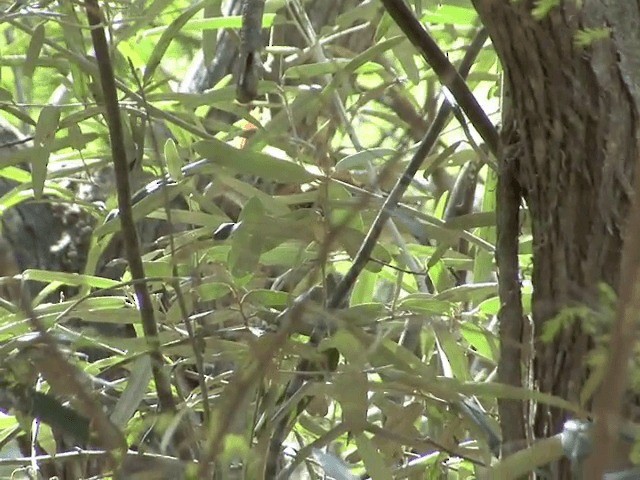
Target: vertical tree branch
(250, 47)
(510, 314)
(129, 233)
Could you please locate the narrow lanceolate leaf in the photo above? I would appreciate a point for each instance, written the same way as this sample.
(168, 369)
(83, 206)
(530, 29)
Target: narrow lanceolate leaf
(174, 162)
(167, 37)
(469, 292)
(373, 460)
(134, 392)
(47, 124)
(361, 160)
(452, 355)
(33, 52)
(211, 23)
(351, 389)
(371, 54)
(310, 70)
(406, 55)
(68, 278)
(483, 261)
(44, 136)
(247, 244)
(252, 163)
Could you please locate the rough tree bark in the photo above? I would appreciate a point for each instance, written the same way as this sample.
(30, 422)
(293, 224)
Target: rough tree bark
(575, 114)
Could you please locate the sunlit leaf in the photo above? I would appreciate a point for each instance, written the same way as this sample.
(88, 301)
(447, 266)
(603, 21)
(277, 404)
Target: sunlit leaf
(168, 34)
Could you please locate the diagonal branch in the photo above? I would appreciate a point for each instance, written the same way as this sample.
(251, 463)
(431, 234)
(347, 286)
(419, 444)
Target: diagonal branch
(391, 203)
(437, 60)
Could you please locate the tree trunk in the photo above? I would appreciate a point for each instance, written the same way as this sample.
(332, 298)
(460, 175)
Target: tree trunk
(575, 112)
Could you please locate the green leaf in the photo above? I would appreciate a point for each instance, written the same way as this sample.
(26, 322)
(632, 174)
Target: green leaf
(116, 316)
(364, 288)
(248, 162)
(5, 95)
(499, 390)
(450, 15)
(158, 268)
(484, 342)
(212, 291)
(68, 278)
(174, 162)
(584, 38)
(247, 243)
(33, 52)
(452, 355)
(372, 53)
(16, 174)
(350, 390)
(484, 261)
(267, 298)
(310, 70)
(426, 303)
(374, 463)
(362, 159)
(44, 135)
(470, 292)
(406, 55)
(490, 306)
(168, 34)
(543, 7)
(137, 384)
(348, 345)
(211, 23)
(273, 205)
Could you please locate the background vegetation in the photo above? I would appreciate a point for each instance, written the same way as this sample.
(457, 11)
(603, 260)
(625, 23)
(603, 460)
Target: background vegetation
(268, 327)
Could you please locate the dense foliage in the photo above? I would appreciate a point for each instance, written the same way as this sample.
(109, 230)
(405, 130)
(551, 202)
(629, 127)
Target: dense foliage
(260, 203)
